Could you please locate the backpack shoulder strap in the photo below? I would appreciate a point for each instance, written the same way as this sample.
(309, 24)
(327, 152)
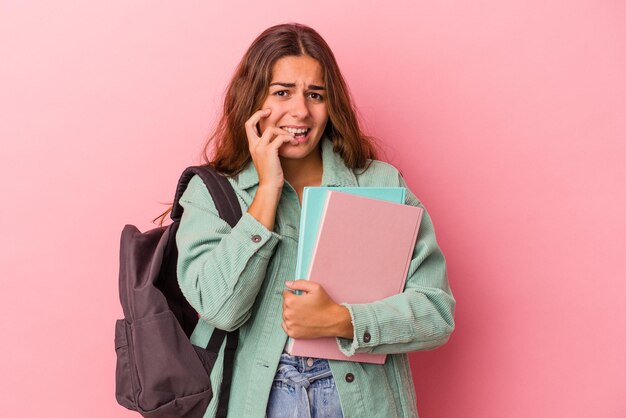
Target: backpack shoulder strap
(218, 186)
(229, 209)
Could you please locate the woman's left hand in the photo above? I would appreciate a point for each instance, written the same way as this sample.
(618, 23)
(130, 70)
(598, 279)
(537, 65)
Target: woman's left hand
(313, 314)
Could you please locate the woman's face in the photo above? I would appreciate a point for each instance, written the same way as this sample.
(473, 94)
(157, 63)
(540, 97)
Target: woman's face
(297, 99)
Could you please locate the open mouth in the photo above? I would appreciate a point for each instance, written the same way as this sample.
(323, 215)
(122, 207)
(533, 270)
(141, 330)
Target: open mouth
(298, 133)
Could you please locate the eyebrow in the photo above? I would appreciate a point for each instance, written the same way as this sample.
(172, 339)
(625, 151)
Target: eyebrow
(292, 85)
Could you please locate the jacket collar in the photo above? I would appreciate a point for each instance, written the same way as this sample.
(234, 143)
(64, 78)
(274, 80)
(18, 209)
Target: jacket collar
(335, 172)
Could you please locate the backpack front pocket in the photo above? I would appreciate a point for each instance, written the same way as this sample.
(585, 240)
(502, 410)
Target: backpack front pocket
(167, 365)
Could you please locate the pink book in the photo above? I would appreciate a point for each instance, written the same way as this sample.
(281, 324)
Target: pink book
(362, 254)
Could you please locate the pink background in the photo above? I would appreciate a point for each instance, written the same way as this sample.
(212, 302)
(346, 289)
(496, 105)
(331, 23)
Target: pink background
(508, 119)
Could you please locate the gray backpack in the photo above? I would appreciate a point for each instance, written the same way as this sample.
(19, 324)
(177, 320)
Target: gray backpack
(159, 373)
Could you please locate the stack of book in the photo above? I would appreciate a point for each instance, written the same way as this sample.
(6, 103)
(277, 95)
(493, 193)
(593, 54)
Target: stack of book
(357, 243)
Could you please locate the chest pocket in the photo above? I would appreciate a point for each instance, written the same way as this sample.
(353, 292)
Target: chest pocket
(287, 230)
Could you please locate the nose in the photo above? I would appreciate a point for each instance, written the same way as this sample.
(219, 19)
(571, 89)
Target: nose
(299, 108)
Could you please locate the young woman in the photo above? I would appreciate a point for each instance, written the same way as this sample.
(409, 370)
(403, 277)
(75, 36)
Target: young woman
(288, 122)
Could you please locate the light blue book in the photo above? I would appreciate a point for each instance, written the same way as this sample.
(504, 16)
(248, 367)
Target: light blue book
(313, 201)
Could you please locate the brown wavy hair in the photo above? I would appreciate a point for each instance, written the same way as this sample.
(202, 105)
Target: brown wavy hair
(248, 90)
(227, 147)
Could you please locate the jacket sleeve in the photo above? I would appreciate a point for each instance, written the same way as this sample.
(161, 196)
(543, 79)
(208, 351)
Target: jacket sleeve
(419, 318)
(220, 269)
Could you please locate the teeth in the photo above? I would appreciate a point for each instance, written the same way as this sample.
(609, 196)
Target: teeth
(296, 130)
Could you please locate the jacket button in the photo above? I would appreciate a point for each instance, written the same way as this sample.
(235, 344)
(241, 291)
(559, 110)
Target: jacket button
(256, 238)
(349, 378)
(367, 337)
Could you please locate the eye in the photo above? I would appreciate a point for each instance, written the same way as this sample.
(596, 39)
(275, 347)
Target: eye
(281, 93)
(316, 96)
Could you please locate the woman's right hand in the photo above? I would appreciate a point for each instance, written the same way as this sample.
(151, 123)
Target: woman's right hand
(264, 153)
(264, 150)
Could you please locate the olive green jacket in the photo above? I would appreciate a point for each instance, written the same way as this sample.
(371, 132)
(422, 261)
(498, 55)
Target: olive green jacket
(234, 278)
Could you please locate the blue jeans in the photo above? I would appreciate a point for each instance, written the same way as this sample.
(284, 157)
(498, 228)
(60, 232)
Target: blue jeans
(303, 388)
